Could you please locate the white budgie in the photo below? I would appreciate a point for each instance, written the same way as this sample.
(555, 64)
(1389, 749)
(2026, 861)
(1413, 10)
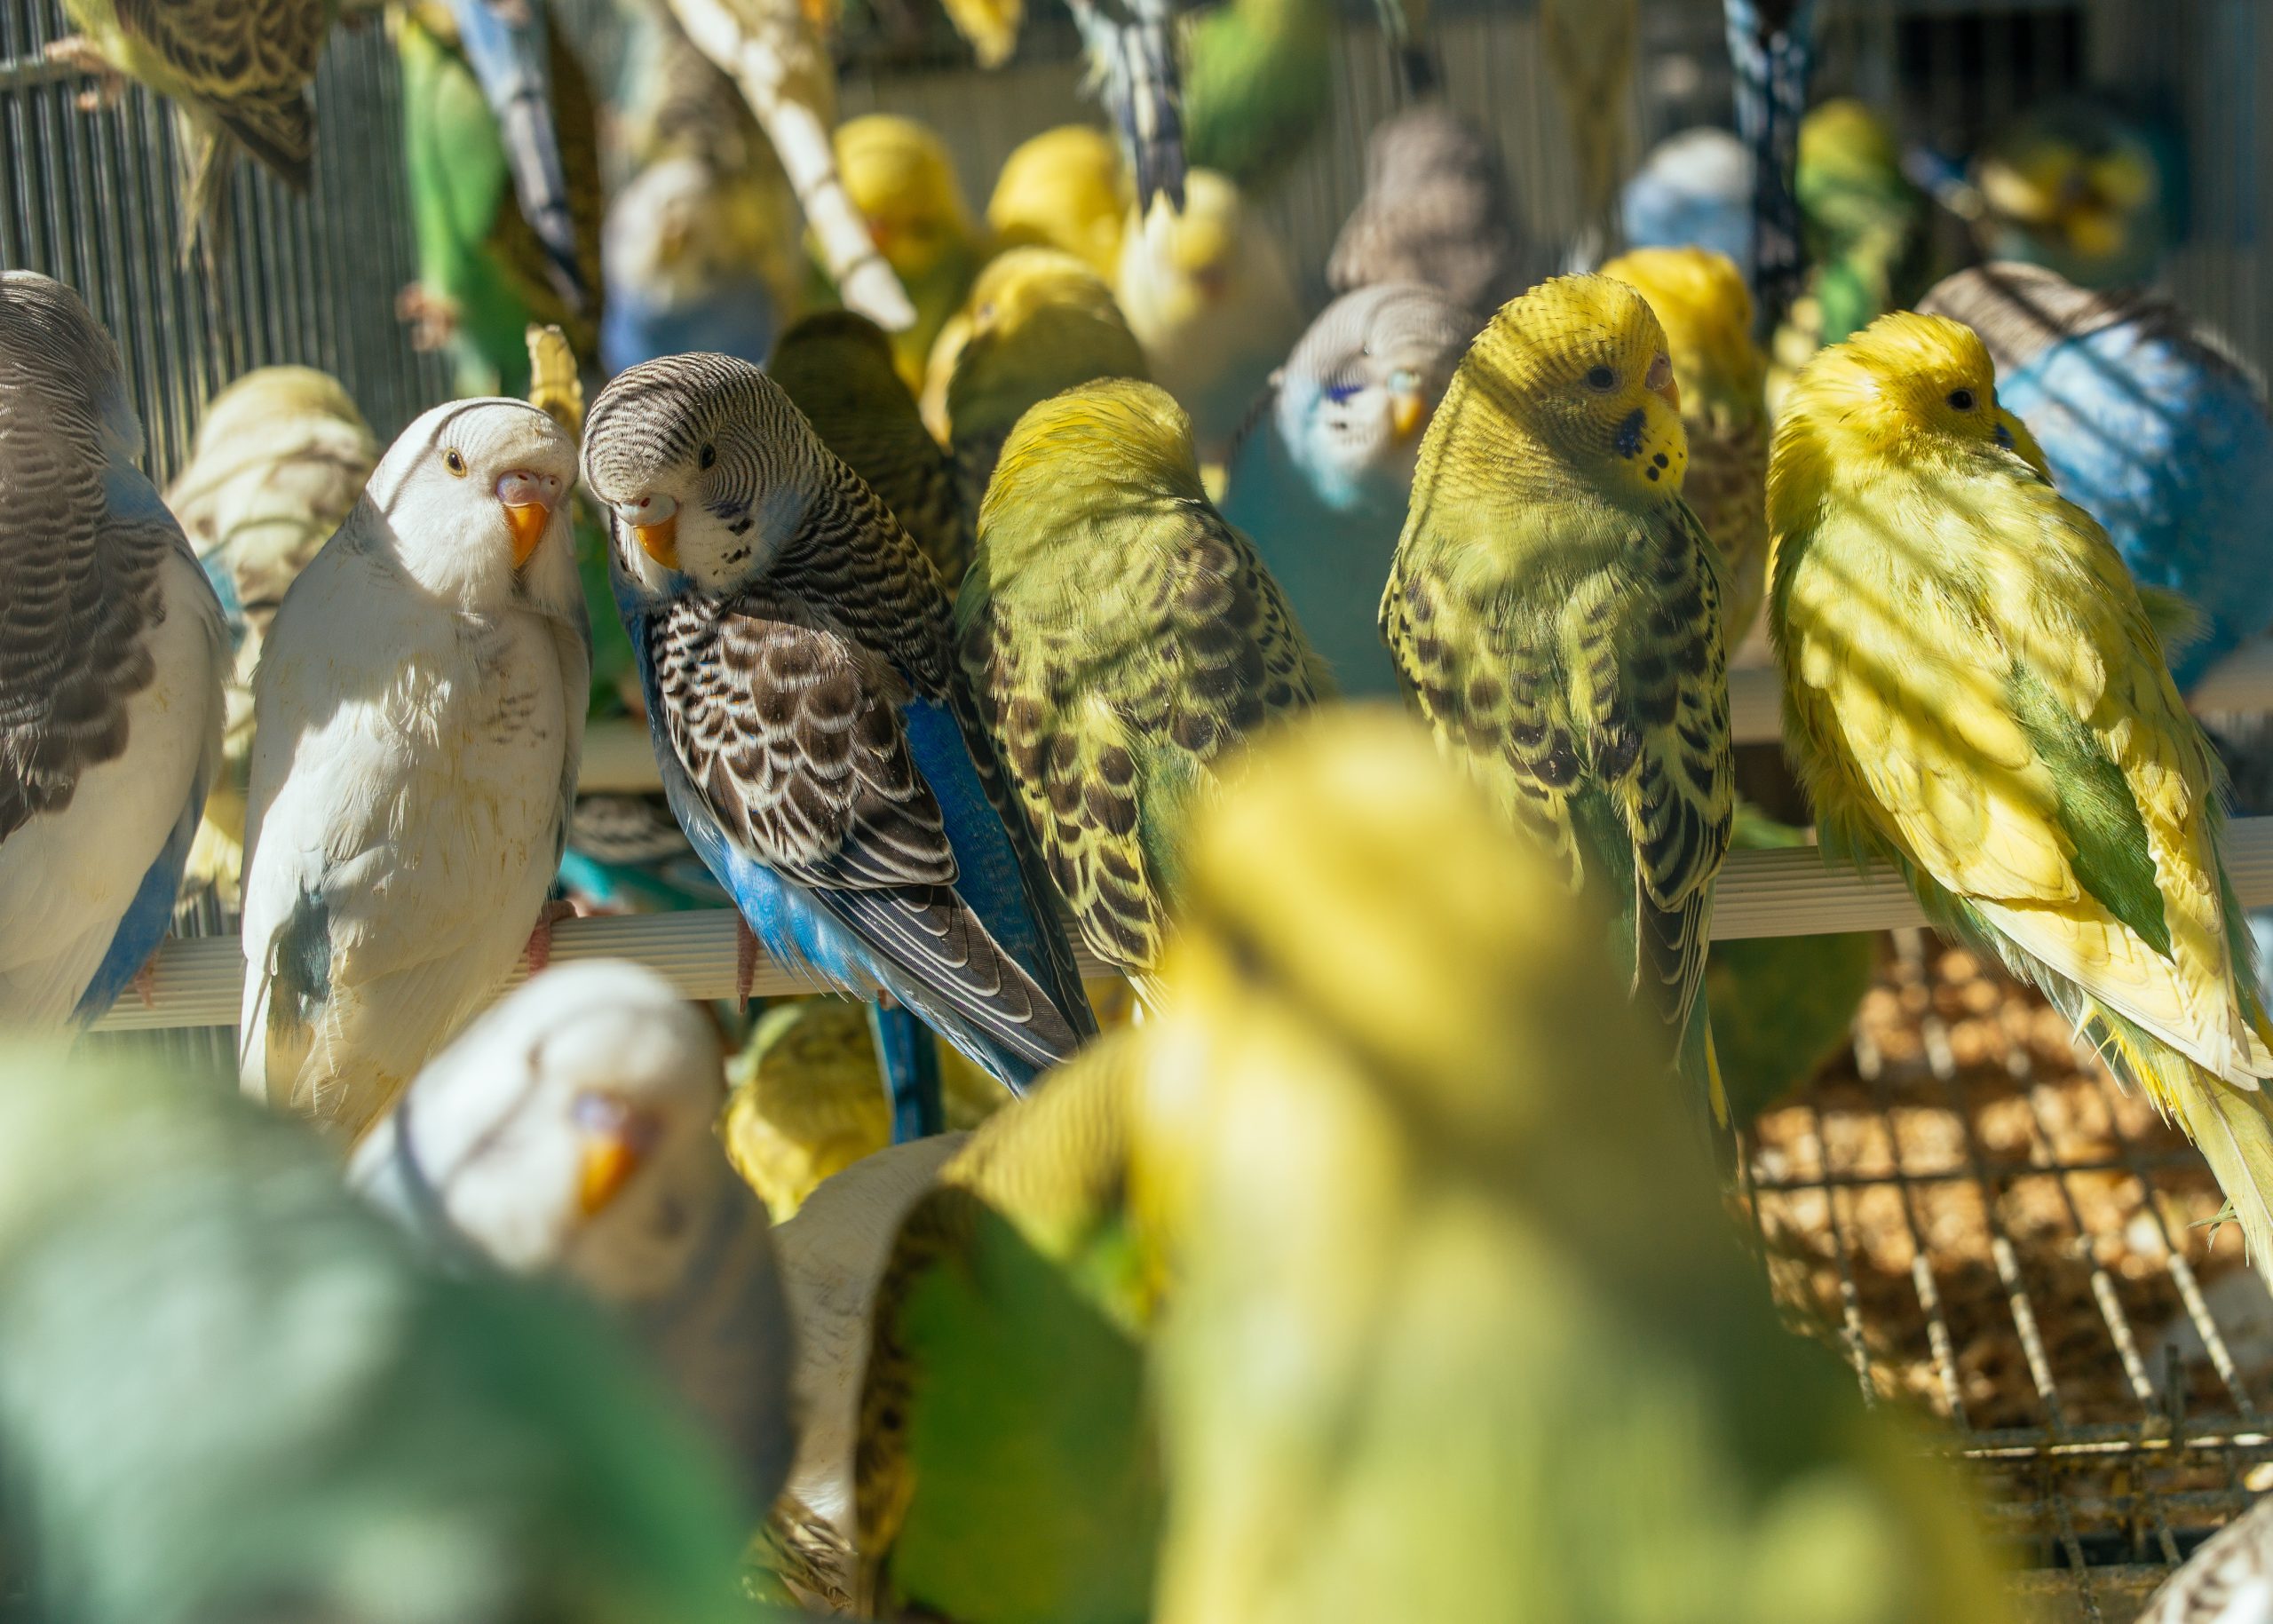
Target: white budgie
(419, 714)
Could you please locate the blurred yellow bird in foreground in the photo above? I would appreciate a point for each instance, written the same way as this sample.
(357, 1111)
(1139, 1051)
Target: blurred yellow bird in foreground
(1973, 688)
(1458, 1329)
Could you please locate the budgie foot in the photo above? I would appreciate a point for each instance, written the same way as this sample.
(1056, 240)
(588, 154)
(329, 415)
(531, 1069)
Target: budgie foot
(77, 50)
(745, 961)
(433, 321)
(539, 951)
(145, 983)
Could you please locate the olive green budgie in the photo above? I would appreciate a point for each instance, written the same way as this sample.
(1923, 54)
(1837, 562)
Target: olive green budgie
(279, 457)
(1007, 1471)
(1038, 321)
(836, 367)
(228, 1392)
(1864, 224)
(1459, 1330)
(1121, 641)
(1973, 690)
(1699, 298)
(899, 175)
(1553, 611)
(483, 274)
(1590, 44)
(777, 52)
(238, 76)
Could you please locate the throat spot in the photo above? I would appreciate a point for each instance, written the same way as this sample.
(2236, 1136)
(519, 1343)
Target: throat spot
(1628, 442)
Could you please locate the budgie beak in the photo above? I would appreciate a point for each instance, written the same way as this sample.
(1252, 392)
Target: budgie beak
(528, 500)
(1659, 380)
(617, 1138)
(654, 526)
(1408, 412)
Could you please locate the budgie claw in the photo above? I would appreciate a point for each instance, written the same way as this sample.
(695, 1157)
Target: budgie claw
(745, 961)
(77, 50)
(540, 947)
(431, 319)
(145, 983)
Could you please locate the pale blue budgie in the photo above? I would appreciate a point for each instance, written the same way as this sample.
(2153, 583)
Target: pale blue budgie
(684, 272)
(419, 714)
(1320, 480)
(816, 739)
(112, 656)
(569, 1133)
(1694, 189)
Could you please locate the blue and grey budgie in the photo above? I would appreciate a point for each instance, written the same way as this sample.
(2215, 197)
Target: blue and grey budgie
(570, 1133)
(815, 737)
(1437, 210)
(1771, 45)
(228, 1392)
(1693, 189)
(508, 45)
(2150, 423)
(1320, 479)
(1131, 49)
(112, 655)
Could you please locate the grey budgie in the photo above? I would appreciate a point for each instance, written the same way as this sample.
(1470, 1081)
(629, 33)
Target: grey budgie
(2229, 1580)
(112, 655)
(1437, 210)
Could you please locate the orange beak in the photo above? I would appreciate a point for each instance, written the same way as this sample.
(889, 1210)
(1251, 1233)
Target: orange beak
(1659, 380)
(617, 1139)
(527, 522)
(1406, 413)
(660, 541)
(528, 500)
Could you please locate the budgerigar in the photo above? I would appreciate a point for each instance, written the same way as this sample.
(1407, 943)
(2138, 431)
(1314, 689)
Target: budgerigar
(2077, 184)
(1555, 611)
(1589, 46)
(1039, 321)
(836, 368)
(1771, 46)
(2150, 425)
(1122, 640)
(1459, 1328)
(1862, 221)
(111, 668)
(2228, 1580)
(508, 43)
(1700, 301)
(1257, 86)
(1130, 45)
(485, 274)
(1972, 688)
(1437, 210)
(227, 1390)
(1007, 1469)
(814, 735)
(279, 457)
(1693, 189)
(1321, 478)
(777, 54)
(420, 712)
(1209, 295)
(899, 177)
(1065, 188)
(568, 1133)
(238, 76)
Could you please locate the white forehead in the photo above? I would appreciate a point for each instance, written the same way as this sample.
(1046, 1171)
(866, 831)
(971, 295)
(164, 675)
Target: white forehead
(609, 1023)
(489, 433)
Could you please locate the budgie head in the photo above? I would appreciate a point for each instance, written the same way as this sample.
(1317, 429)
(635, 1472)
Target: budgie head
(1701, 300)
(1094, 443)
(473, 499)
(838, 357)
(1174, 267)
(707, 467)
(1355, 397)
(1694, 187)
(1575, 373)
(1908, 389)
(52, 351)
(899, 178)
(568, 1130)
(1065, 188)
(1038, 322)
(680, 230)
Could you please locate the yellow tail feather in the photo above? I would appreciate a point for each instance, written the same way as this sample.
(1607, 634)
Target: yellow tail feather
(2231, 1127)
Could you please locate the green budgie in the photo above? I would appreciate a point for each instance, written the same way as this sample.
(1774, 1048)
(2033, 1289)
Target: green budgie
(1458, 1329)
(1864, 223)
(1555, 611)
(228, 1393)
(484, 275)
(1257, 86)
(836, 367)
(1121, 641)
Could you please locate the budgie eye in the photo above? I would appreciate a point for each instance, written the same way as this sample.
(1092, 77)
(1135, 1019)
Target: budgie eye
(1601, 379)
(455, 462)
(1963, 400)
(708, 456)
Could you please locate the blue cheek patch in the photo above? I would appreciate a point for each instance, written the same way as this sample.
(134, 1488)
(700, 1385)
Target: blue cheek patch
(2005, 438)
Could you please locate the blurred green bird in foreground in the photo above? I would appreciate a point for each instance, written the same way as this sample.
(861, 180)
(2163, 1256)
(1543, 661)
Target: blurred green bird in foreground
(227, 1393)
(1459, 1330)
(1555, 611)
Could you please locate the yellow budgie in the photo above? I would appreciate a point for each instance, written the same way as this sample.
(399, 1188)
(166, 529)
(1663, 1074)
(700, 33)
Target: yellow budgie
(901, 178)
(1589, 44)
(1065, 188)
(279, 457)
(1706, 310)
(1458, 1330)
(1972, 687)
